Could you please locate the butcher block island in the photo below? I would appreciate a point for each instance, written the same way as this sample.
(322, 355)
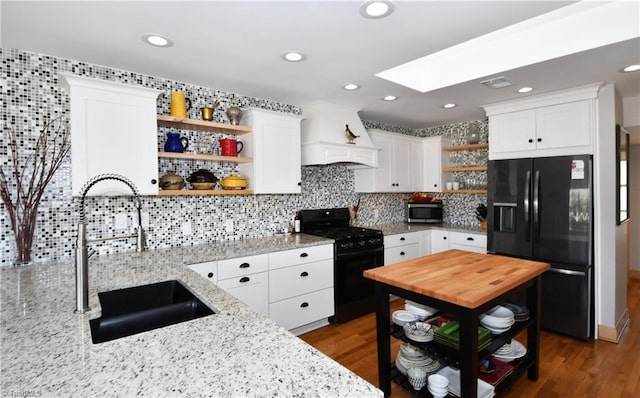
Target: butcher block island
(463, 285)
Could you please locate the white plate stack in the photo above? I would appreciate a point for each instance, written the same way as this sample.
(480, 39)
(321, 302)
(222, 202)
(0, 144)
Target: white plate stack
(411, 356)
(420, 310)
(485, 390)
(498, 320)
(510, 351)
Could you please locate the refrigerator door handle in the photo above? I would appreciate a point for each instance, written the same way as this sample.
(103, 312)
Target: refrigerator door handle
(566, 271)
(536, 206)
(527, 184)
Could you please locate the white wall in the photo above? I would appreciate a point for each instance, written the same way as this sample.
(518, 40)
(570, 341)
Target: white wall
(634, 211)
(610, 249)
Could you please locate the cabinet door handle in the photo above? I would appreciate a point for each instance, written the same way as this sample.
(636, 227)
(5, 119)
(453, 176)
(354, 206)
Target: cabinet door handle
(244, 279)
(470, 238)
(539, 139)
(304, 255)
(402, 253)
(304, 305)
(402, 238)
(154, 181)
(210, 275)
(444, 237)
(530, 140)
(305, 273)
(245, 265)
(299, 184)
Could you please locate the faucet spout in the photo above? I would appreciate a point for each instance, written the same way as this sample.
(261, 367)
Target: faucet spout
(83, 252)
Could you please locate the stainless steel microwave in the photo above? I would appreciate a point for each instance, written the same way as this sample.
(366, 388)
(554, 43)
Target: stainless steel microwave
(425, 213)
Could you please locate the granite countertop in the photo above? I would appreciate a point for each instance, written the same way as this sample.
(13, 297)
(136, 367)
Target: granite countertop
(47, 348)
(402, 227)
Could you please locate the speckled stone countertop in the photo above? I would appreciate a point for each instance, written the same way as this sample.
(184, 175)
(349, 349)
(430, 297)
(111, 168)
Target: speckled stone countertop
(401, 227)
(46, 349)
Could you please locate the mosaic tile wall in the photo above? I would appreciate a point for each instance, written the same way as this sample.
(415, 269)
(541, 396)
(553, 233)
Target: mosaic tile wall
(31, 94)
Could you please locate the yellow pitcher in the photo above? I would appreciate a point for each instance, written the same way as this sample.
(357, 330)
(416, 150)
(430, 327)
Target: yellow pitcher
(179, 104)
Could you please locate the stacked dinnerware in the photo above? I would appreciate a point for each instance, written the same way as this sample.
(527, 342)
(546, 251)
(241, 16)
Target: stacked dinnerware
(510, 351)
(411, 356)
(420, 310)
(498, 320)
(438, 385)
(418, 331)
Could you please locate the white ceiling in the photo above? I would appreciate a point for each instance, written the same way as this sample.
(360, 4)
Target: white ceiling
(235, 46)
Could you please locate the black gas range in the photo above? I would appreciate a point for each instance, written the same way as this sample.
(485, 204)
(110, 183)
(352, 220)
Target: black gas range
(356, 249)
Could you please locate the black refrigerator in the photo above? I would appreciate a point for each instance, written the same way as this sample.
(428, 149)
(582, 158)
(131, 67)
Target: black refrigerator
(542, 209)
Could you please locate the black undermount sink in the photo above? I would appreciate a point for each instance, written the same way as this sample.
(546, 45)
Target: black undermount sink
(142, 308)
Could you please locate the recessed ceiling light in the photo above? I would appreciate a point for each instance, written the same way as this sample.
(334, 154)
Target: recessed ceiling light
(293, 56)
(390, 98)
(351, 86)
(632, 68)
(157, 40)
(525, 90)
(449, 106)
(375, 9)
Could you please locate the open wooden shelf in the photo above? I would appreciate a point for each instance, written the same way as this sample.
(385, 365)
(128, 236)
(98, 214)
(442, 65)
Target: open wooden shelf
(480, 191)
(469, 147)
(205, 192)
(195, 124)
(202, 156)
(466, 168)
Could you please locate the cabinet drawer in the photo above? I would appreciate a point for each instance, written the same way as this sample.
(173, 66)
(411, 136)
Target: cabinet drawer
(301, 310)
(208, 270)
(300, 256)
(242, 266)
(252, 290)
(300, 279)
(401, 239)
(398, 254)
(460, 238)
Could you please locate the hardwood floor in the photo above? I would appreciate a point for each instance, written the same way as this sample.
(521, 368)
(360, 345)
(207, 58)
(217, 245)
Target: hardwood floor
(568, 367)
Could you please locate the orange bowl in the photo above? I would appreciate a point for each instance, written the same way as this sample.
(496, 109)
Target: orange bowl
(421, 197)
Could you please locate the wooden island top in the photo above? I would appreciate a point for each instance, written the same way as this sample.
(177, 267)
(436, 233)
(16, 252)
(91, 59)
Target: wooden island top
(459, 277)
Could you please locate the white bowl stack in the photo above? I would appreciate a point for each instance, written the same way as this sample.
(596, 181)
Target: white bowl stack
(438, 385)
(498, 320)
(420, 310)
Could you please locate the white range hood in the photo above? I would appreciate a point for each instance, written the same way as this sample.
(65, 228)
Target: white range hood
(324, 140)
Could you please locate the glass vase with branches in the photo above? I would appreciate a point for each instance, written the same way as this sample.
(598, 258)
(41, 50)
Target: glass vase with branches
(25, 176)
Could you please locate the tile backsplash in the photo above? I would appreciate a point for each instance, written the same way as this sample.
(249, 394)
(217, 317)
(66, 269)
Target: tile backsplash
(31, 94)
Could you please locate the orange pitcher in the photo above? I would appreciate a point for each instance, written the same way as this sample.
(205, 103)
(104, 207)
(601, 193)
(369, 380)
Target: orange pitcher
(179, 104)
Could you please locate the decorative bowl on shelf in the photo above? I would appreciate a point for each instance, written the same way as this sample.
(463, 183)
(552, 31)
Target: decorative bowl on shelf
(171, 182)
(234, 181)
(203, 185)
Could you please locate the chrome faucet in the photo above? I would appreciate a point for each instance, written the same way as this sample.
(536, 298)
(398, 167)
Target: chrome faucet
(82, 251)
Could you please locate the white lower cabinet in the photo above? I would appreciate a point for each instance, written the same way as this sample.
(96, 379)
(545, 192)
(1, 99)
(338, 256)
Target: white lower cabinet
(439, 241)
(401, 247)
(469, 242)
(252, 289)
(247, 279)
(304, 309)
(208, 270)
(301, 286)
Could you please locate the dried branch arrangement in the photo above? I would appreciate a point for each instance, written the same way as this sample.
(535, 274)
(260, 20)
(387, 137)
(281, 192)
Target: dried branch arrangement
(22, 184)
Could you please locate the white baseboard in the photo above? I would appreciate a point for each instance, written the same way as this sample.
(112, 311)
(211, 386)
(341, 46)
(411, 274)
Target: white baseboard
(613, 334)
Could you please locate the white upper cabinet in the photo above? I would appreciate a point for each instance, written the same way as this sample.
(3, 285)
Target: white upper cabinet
(397, 161)
(433, 161)
(113, 130)
(556, 124)
(274, 146)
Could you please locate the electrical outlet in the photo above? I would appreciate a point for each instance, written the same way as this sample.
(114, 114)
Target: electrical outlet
(120, 221)
(229, 226)
(376, 213)
(186, 227)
